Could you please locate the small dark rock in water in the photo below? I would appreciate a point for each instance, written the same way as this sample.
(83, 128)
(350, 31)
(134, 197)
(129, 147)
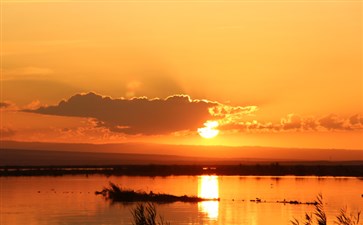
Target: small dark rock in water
(256, 200)
(296, 202)
(100, 193)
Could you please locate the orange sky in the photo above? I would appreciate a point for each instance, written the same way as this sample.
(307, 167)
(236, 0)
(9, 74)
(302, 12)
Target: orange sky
(283, 73)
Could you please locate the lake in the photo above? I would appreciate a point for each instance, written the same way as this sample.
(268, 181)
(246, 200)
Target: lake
(72, 200)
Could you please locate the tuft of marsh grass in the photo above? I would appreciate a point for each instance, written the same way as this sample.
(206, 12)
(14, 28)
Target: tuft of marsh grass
(308, 220)
(319, 210)
(347, 219)
(145, 214)
(344, 218)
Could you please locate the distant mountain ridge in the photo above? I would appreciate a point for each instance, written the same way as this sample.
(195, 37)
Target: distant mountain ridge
(31, 153)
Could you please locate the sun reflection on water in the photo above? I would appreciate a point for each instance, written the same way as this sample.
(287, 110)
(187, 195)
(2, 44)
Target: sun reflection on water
(208, 188)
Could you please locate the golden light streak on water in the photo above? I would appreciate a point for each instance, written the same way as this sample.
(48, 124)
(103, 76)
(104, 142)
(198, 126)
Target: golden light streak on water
(208, 188)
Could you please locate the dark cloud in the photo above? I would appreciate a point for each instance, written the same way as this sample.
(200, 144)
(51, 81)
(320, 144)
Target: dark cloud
(333, 122)
(4, 104)
(291, 122)
(180, 113)
(8, 106)
(309, 123)
(356, 120)
(136, 115)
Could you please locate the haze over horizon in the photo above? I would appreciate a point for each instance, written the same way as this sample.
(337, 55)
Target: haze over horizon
(40, 153)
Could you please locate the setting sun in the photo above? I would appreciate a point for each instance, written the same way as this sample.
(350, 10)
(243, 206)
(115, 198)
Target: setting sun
(209, 130)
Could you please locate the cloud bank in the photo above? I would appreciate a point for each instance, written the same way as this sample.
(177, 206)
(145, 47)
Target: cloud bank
(293, 122)
(7, 106)
(176, 113)
(142, 115)
(4, 104)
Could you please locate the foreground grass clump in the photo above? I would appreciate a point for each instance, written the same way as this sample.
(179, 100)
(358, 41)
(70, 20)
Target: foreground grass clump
(146, 215)
(117, 194)
(320, 216)
(347, 219)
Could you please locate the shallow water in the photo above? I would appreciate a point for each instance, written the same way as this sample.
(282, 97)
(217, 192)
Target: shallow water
(71, 199)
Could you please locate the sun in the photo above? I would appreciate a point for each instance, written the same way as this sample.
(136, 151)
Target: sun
(209, 130)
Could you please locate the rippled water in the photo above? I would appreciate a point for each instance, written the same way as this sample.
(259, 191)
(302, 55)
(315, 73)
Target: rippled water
(71, 199)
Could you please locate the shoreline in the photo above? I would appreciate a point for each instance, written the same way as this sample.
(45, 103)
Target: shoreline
(273, 169)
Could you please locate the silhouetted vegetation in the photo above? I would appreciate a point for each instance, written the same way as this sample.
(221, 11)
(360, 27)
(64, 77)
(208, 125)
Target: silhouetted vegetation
(347, 219)
(146, 215)
(292, 202)
(117, 194)
(168, 170)
(320, 217)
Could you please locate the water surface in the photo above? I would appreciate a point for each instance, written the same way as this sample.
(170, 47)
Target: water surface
(71, 199)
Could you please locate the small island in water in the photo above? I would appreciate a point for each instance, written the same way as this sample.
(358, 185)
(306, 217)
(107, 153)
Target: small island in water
(116, 194)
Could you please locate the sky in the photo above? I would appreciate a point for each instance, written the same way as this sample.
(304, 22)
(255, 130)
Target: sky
(255, 73)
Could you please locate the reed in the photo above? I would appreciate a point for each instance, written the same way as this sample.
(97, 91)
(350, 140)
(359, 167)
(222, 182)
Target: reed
(145, 214)
(344, 218)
